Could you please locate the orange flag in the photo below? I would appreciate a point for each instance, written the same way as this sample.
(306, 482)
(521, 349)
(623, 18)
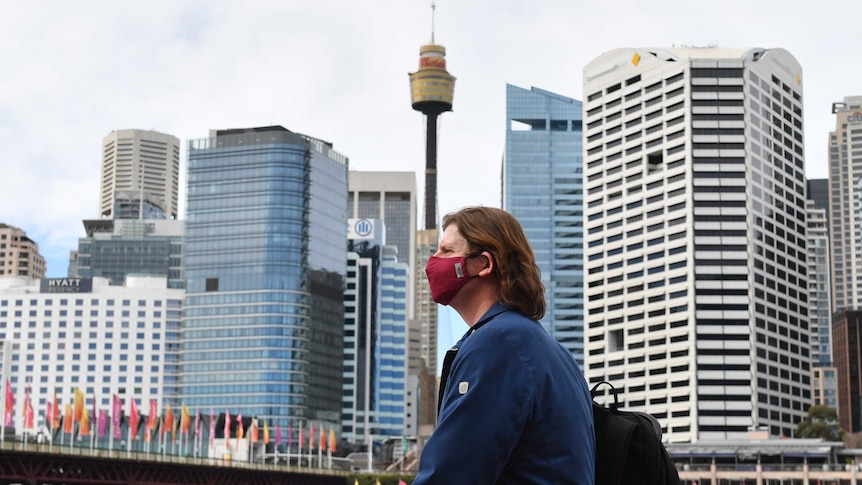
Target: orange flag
(322, 439)
(254, 432)
(85, 422)
(185, 420)
(55, 416)
(239, 429)
(169, 422)
(265, 433)
(79, 404)
(331, 440)
(68, 420)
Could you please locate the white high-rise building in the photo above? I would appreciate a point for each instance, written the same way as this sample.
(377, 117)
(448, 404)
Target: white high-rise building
(62, 334)
(695, 240)
(845, 170)
(139, 165)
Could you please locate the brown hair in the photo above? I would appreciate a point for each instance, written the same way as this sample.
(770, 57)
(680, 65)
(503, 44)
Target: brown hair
(499, 233)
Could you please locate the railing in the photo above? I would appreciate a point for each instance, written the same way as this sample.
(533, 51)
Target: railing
(113, 454)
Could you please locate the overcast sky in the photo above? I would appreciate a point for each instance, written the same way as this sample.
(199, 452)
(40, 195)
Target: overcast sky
(73, 71)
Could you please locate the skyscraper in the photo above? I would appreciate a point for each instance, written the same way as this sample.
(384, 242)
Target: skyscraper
(391, 196)
(847, 335)
(19, 255)
(542, 187)
(265, 268)
(845, 169)
(377, 402)
(696, 281)
(819, 304)
(140, 175)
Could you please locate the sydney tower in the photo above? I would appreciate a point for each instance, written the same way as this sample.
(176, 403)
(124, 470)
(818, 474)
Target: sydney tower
(431, 90)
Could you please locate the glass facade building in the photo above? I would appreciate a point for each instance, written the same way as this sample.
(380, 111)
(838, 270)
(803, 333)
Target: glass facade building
(114, 249)
(265, 268)
(542, 188)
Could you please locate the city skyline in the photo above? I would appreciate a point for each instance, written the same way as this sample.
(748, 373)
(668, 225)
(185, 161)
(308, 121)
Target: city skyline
(200, 66)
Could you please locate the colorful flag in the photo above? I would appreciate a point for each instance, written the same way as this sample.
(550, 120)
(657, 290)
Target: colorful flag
(278, 433)
(331, 439)
(154, 414)
(49, 415)
(265, 433)
(151, 419)
(169, 423)
(198, 423)
(212, 428)
(255, 435)
(85, 422)
(28, 413)
(67, 420)
(311, 438)
(185, 420)
(301, 437)
(79, 405)
(117, 417)
(322, 439)
(239, 430)
(10, 403)
(134, 418)
(55, 421)
(227, 430)
(26, 400)
(102, 423)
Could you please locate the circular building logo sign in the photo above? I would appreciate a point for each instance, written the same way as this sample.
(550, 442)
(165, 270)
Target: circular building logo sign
(363, 227)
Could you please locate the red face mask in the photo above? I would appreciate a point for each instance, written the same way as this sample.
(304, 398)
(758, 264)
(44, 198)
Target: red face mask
(446, 277)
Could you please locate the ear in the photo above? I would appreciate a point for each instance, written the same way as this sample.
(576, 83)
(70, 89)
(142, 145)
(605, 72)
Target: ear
(488, 264)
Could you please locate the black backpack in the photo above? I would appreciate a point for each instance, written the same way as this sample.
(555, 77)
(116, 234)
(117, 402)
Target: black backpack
(629, 450)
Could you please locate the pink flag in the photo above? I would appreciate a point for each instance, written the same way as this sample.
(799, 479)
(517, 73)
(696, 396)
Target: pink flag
(102, 423)
(134, 417)
(401, 482)
(10, 403)
(117, 417)
(227, 429)
(277, 435)
(212, 428)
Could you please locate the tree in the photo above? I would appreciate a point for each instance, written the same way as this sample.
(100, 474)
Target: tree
(821, 422)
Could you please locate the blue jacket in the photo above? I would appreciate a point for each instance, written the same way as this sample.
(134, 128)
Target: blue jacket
(515, 409)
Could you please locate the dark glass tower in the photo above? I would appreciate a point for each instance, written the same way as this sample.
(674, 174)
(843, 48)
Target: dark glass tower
(265, 267)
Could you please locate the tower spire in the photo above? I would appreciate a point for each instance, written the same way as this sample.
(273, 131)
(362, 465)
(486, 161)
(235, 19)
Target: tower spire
(433, 10)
